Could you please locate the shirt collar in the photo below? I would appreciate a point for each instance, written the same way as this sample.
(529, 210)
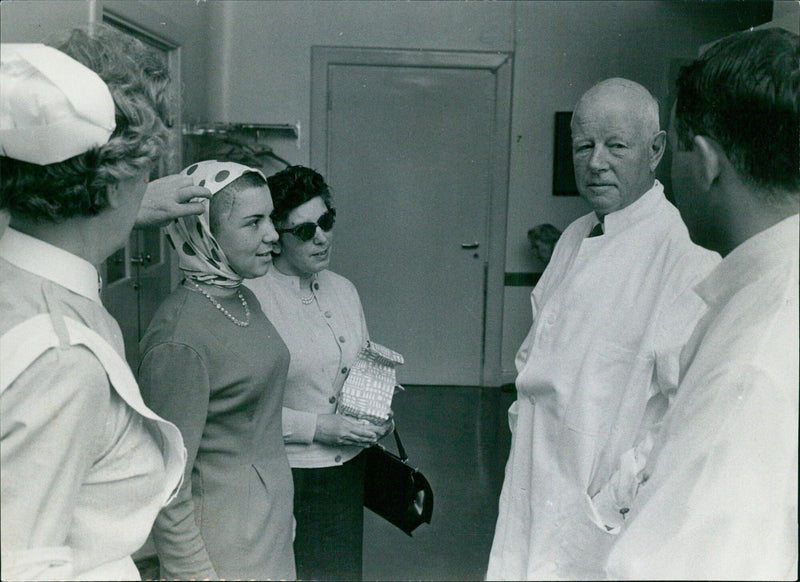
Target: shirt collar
(50, 262)
(770, 249)
(299, 284)
(646, 205)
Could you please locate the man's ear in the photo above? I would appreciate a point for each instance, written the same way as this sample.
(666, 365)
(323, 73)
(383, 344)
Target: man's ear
(659, 145)
(114, 196)
(708, 156)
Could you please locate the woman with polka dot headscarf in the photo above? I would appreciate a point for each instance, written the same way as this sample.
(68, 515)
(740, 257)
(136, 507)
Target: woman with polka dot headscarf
(215, 366)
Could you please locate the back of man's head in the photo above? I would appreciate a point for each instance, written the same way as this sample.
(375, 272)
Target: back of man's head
(743, 93)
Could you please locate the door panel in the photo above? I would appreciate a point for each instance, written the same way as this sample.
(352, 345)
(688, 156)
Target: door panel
(411, 161)
(153, 274)
(120, 297)
(136, 281)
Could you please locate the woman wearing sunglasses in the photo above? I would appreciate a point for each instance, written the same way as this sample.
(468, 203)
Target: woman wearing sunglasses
(318, 313)
(214, 365)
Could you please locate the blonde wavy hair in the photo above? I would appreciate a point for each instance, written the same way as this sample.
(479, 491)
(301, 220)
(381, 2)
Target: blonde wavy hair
(137, 78)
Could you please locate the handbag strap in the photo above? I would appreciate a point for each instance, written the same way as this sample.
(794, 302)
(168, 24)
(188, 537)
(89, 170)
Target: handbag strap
(400, 449)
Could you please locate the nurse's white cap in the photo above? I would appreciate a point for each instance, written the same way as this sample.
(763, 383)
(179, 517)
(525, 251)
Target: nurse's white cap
(51, 106)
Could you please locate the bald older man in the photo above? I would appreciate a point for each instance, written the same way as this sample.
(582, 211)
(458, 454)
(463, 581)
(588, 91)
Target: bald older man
(610, 315)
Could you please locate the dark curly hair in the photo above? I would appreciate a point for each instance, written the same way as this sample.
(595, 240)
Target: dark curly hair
(137, 78)
(743, 93)
(293, 187)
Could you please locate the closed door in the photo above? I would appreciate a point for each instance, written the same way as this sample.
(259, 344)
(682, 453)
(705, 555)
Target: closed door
(411, 155)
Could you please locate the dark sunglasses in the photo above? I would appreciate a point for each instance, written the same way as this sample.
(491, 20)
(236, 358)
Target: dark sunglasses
(307, 230)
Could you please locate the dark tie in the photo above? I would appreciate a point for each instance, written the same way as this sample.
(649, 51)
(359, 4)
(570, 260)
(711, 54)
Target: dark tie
(597, 230)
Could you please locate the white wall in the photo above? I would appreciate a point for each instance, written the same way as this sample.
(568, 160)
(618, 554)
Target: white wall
(22, 21)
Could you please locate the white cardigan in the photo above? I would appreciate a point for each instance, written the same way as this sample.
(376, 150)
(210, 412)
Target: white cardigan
(323, 337)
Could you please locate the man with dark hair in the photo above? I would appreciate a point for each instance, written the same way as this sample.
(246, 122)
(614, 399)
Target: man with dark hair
(718, 496)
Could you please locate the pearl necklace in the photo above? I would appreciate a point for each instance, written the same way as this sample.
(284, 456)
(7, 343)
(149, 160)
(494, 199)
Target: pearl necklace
(224, 311)
(308, 300)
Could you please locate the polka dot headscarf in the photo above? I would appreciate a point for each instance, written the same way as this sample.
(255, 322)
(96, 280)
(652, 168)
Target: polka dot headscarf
(201, 257)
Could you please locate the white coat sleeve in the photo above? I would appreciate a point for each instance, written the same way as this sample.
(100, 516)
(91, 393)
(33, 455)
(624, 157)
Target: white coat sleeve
(722, 500)
(53, 425)
(609, 505)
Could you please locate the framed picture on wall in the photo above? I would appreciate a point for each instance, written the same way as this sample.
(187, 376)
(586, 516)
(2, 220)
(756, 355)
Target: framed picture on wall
(563, 170)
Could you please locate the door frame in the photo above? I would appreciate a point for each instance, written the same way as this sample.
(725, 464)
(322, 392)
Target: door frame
(500, 64)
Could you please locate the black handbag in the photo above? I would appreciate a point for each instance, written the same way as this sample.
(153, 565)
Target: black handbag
(395, 490)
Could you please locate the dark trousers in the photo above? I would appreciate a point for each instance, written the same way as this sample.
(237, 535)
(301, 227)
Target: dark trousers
(329, 509)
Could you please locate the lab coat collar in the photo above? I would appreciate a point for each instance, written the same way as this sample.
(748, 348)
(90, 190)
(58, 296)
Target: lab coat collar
(773, 248)
(645, 206)
(50, 262)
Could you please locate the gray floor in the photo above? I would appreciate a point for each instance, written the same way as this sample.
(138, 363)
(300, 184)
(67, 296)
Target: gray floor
(459, 438)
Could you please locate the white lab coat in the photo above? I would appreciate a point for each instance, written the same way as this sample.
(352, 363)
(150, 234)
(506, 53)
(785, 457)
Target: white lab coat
(721, 498)
(610, 316)
(86, 466)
